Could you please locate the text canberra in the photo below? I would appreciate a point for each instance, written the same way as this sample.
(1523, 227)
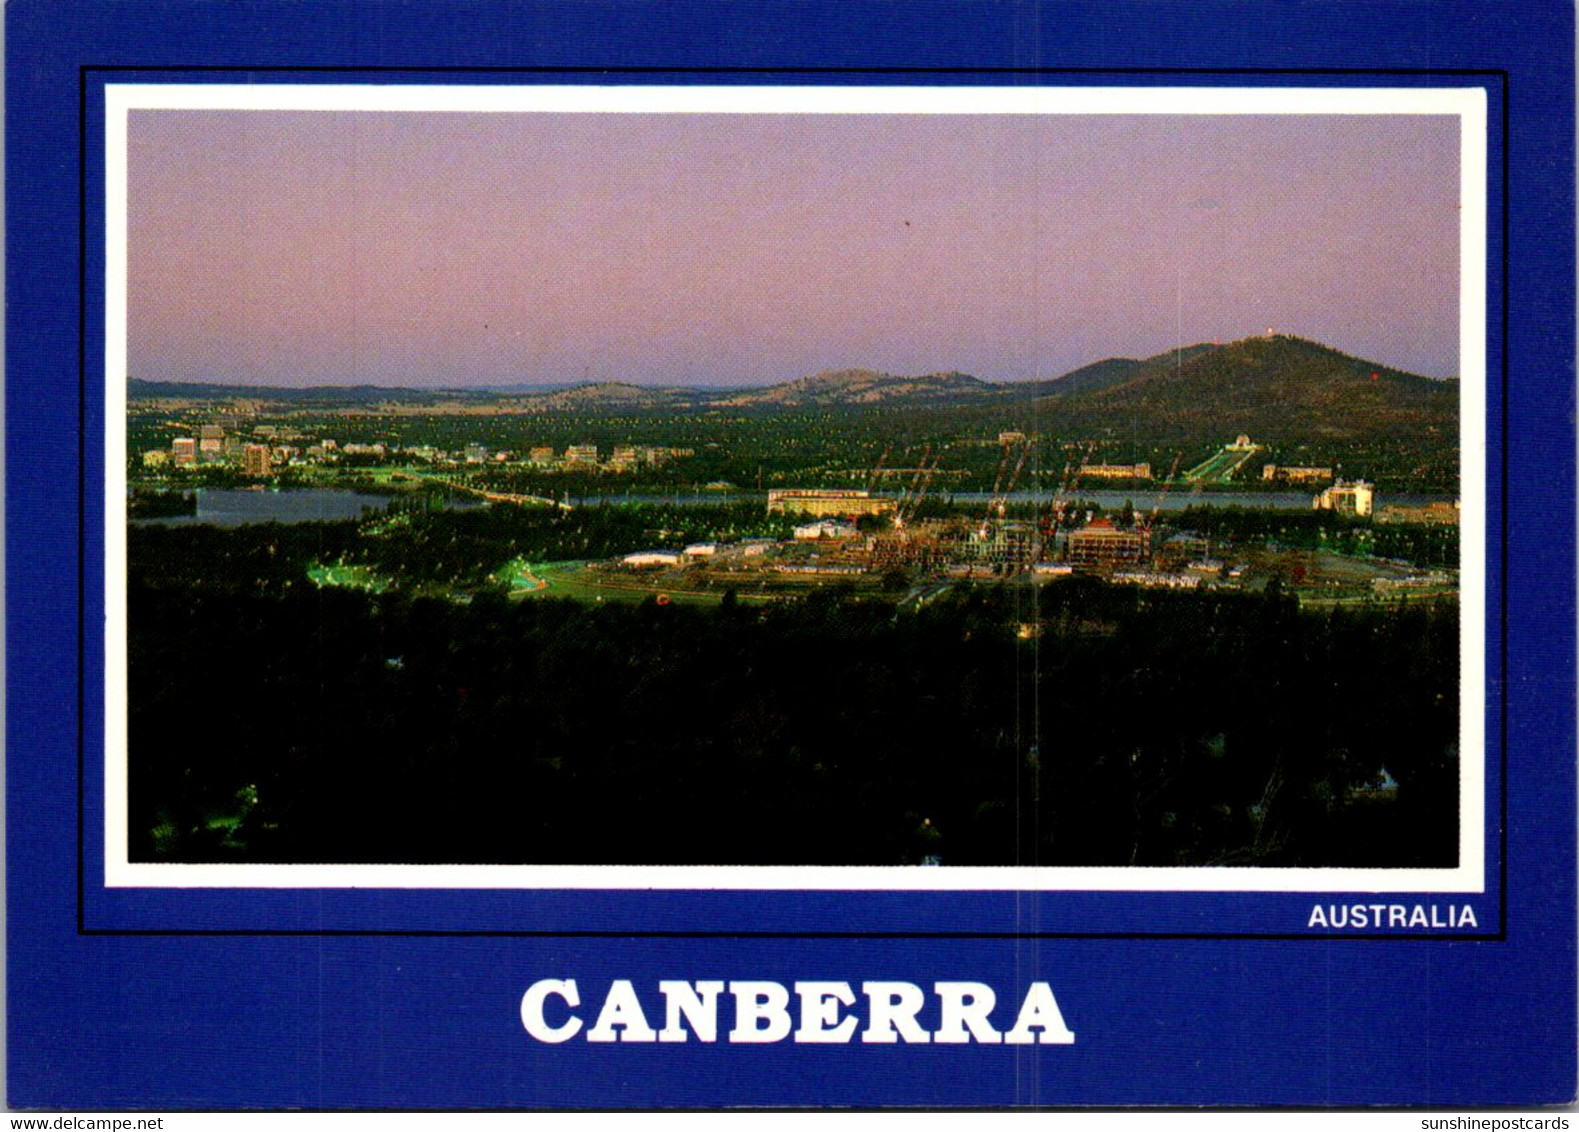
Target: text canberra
(959, 1012)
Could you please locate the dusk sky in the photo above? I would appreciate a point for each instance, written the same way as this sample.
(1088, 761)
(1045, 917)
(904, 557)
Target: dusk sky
(303, 248)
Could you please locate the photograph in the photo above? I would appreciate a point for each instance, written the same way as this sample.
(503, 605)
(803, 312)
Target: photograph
(861, 480)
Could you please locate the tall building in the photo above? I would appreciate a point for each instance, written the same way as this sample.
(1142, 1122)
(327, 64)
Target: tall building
(255, 460)
(183, 450)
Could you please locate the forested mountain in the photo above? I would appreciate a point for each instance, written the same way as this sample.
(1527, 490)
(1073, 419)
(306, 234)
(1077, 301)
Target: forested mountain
(1109, 372)
(1282, 386)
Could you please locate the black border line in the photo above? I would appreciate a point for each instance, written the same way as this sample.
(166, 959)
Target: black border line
(83, 72)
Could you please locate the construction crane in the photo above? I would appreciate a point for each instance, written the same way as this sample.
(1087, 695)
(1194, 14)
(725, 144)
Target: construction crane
(877, 470)
(901, 544)
(909, 498)
(929, 466)
(1053, 516)
(996, 505)
(997, 483)
(1151, 520)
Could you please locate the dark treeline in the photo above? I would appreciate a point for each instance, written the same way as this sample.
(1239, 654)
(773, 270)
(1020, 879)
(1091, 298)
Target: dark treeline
(1077, 724)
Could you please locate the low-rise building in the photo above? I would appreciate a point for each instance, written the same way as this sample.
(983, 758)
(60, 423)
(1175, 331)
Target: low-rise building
(1283, 473)
(842, 569)
(1439, 514)
(646, 559)
(1101, 544)
(210, 441)
(1141, 471)
(826, 529)
(1150, 579)
(827, 501)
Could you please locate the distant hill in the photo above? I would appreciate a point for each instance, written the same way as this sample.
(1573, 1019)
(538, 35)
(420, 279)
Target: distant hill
(1108, 372)
(1279, 386)
(609, 394)
(139, 390)
(861, 387)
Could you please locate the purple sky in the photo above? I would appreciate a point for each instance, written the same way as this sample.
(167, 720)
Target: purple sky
(445, 249)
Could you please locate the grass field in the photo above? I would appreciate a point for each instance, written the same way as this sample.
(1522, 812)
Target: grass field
(349, 577)
(580, 581)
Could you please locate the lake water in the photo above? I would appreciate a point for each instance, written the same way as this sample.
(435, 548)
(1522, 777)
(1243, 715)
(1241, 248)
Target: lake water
(225, 508)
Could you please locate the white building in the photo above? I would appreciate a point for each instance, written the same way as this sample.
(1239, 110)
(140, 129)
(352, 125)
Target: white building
(643, 558)
(825, 528)
(1354, 498)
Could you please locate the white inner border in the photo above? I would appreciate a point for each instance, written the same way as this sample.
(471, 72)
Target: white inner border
(1469, 105)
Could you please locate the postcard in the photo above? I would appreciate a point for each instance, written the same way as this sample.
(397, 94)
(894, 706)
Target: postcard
(528, 575)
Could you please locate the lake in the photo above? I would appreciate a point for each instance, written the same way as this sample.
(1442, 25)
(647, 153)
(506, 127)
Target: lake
(230, 508)
(235, 508)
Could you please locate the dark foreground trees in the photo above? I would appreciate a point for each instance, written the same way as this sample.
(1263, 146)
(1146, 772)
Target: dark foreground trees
(1077, 724)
